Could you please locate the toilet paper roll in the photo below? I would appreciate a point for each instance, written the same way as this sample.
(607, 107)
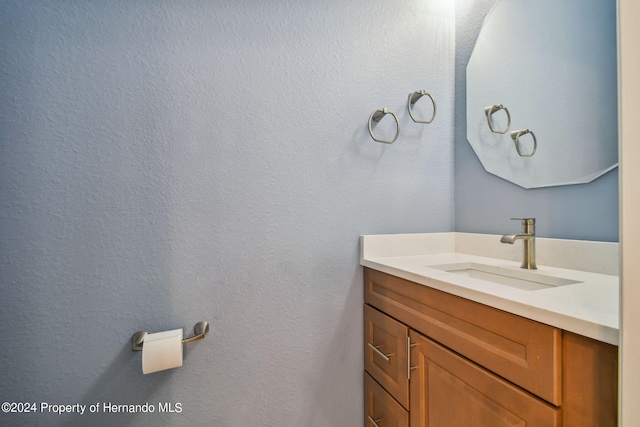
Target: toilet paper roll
(162, 350)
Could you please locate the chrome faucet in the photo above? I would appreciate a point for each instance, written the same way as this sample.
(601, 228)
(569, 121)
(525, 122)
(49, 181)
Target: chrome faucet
(528, 238)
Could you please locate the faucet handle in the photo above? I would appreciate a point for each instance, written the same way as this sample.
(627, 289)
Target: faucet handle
(528, 225)
(525, 221)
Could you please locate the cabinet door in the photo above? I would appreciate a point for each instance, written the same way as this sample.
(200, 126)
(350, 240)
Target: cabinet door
(450, 391)
(380, 409)
(386, 353)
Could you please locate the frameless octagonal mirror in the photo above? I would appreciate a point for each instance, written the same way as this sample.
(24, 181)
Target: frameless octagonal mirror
(552, 65)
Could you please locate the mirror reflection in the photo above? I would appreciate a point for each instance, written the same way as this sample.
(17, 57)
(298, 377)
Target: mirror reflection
(544, 72)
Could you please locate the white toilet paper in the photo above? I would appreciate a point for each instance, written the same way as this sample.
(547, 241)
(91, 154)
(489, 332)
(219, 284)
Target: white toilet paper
(162, 350)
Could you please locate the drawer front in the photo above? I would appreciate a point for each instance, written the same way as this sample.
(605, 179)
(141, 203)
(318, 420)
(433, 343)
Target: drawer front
(523, 351)
(386, 353)
(448, 390)
(380, 409)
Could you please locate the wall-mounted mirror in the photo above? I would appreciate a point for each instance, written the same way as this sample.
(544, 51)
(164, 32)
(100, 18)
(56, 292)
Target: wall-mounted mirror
(552, 65)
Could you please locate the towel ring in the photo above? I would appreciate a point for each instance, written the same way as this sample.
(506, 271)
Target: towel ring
(413, 98)
(489, 112)
(515, 135)
(376, 116)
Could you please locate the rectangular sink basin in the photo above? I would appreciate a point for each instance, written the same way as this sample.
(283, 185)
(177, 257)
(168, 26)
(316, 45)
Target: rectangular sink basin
(528, 280)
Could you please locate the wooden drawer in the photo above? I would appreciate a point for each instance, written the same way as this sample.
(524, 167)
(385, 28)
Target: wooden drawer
(448, 390)
(386, 353)
(523, 351)
(380, 408)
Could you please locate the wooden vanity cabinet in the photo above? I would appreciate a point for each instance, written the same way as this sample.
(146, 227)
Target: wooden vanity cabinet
(451, 362)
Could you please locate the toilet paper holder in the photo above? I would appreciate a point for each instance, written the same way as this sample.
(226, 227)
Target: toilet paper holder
(200, 329)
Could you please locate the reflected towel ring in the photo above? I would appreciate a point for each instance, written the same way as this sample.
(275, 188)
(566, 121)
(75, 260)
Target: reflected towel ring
(489, 112)
(376, 116)
(413, 98)
(515, 135)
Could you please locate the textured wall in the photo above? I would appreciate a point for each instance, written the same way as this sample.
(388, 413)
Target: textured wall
(484, 203)
(168, 162)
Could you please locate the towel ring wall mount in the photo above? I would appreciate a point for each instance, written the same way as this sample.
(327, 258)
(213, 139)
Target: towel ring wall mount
(413, 98)
(376, 116)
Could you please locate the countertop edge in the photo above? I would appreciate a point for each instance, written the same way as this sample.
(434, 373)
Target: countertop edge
(590, 329)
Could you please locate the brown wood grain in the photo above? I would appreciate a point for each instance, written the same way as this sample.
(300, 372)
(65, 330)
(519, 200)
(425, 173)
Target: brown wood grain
(381, 407)
(476, 366)
(518, 349)
(390, 336)
(589, 382)
(449, 391)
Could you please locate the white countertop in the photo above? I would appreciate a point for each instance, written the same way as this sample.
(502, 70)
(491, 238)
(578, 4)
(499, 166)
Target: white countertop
(589, 308)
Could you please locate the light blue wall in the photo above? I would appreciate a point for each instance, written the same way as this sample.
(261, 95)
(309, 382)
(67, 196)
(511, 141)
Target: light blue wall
(165, 162)
(168, 162)
(484, 203)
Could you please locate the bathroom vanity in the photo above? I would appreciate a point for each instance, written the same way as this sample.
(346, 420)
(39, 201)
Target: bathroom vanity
(445, 346)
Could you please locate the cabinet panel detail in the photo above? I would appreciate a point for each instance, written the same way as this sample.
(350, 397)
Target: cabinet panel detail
(589, 382)
(450, 391)
(525, 352)
(386, 353)
(380, 408)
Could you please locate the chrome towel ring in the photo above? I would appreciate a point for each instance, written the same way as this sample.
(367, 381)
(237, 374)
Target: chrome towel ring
(492, 109)
(515, 135)
(376, 116)
(413, 98)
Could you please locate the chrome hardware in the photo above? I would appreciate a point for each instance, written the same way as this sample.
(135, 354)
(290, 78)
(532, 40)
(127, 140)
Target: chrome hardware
(488, 111)
(200, 329)
(516, 134)
(374, 422)
(413, 98)
(409, 367)
(528, 238)
(376, 116)
(381, 354)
